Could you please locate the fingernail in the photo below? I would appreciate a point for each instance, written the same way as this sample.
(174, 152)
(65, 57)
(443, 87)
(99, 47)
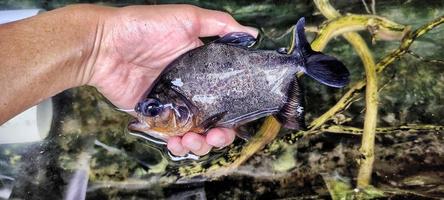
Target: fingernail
(178, 148)
(194, 145)
(253, 31)
(219, 141)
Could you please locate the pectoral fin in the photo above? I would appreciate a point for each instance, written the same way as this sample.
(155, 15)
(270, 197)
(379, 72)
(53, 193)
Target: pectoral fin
(212, 121)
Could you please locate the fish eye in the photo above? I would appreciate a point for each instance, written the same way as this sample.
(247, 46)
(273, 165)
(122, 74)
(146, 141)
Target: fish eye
(153, 110)
(150, 108)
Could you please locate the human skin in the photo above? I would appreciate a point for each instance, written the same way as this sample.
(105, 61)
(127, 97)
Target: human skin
(120, 51)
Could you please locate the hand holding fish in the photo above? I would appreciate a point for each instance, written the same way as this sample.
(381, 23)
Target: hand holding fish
(227, 83)
(141, 42)
(120, 51)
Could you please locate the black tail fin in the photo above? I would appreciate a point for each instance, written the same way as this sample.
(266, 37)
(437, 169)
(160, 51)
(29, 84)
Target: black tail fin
(323, 68)
(327, 70)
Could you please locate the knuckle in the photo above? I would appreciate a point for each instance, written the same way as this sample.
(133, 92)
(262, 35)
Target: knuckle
(225, 15)
(190, 9)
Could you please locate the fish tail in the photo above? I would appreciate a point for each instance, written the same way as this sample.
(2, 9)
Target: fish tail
(324, 68)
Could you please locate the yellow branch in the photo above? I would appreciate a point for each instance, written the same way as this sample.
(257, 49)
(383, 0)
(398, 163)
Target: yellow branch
(268, 131)
(371, 111)
(381, 28)
(412, 128)
(340, 25)
(351, 95)
(336, 27)
(344, 24)
(354, 23)
(265, 135)
(406, 42)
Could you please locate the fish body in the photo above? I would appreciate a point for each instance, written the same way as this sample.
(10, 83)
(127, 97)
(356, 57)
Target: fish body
(245, 84)
(226, 84)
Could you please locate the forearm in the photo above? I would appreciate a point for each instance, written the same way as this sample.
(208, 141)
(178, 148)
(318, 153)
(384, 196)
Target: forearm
(44, 55)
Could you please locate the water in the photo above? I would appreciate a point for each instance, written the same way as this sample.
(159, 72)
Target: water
(409, 165)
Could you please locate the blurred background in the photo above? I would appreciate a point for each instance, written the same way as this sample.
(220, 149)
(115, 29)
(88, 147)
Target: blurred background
(88, 150)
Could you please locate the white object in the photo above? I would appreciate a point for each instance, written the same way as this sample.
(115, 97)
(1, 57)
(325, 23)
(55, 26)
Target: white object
(14, 15)
(31, 125)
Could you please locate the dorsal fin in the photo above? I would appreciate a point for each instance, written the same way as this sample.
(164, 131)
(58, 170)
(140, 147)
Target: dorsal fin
(299, 40)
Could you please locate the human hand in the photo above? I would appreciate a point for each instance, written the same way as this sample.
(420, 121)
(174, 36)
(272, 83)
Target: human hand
(134, 44)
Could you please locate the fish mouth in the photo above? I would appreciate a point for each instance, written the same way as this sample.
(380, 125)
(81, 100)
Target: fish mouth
(143, 130)
(174, 120)
(135, 125)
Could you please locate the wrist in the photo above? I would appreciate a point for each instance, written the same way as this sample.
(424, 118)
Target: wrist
(88, 21)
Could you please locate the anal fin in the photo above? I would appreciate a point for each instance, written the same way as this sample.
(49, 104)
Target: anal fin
(292, 114)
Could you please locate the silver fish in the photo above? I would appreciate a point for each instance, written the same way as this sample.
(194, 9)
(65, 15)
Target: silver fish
(226, 84)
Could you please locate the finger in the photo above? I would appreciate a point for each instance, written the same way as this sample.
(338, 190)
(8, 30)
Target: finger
(196, 143)
(204, 150)
(220, 23)
(220, 137)
(175, 146)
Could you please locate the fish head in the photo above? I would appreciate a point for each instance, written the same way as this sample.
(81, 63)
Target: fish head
(163, 115)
